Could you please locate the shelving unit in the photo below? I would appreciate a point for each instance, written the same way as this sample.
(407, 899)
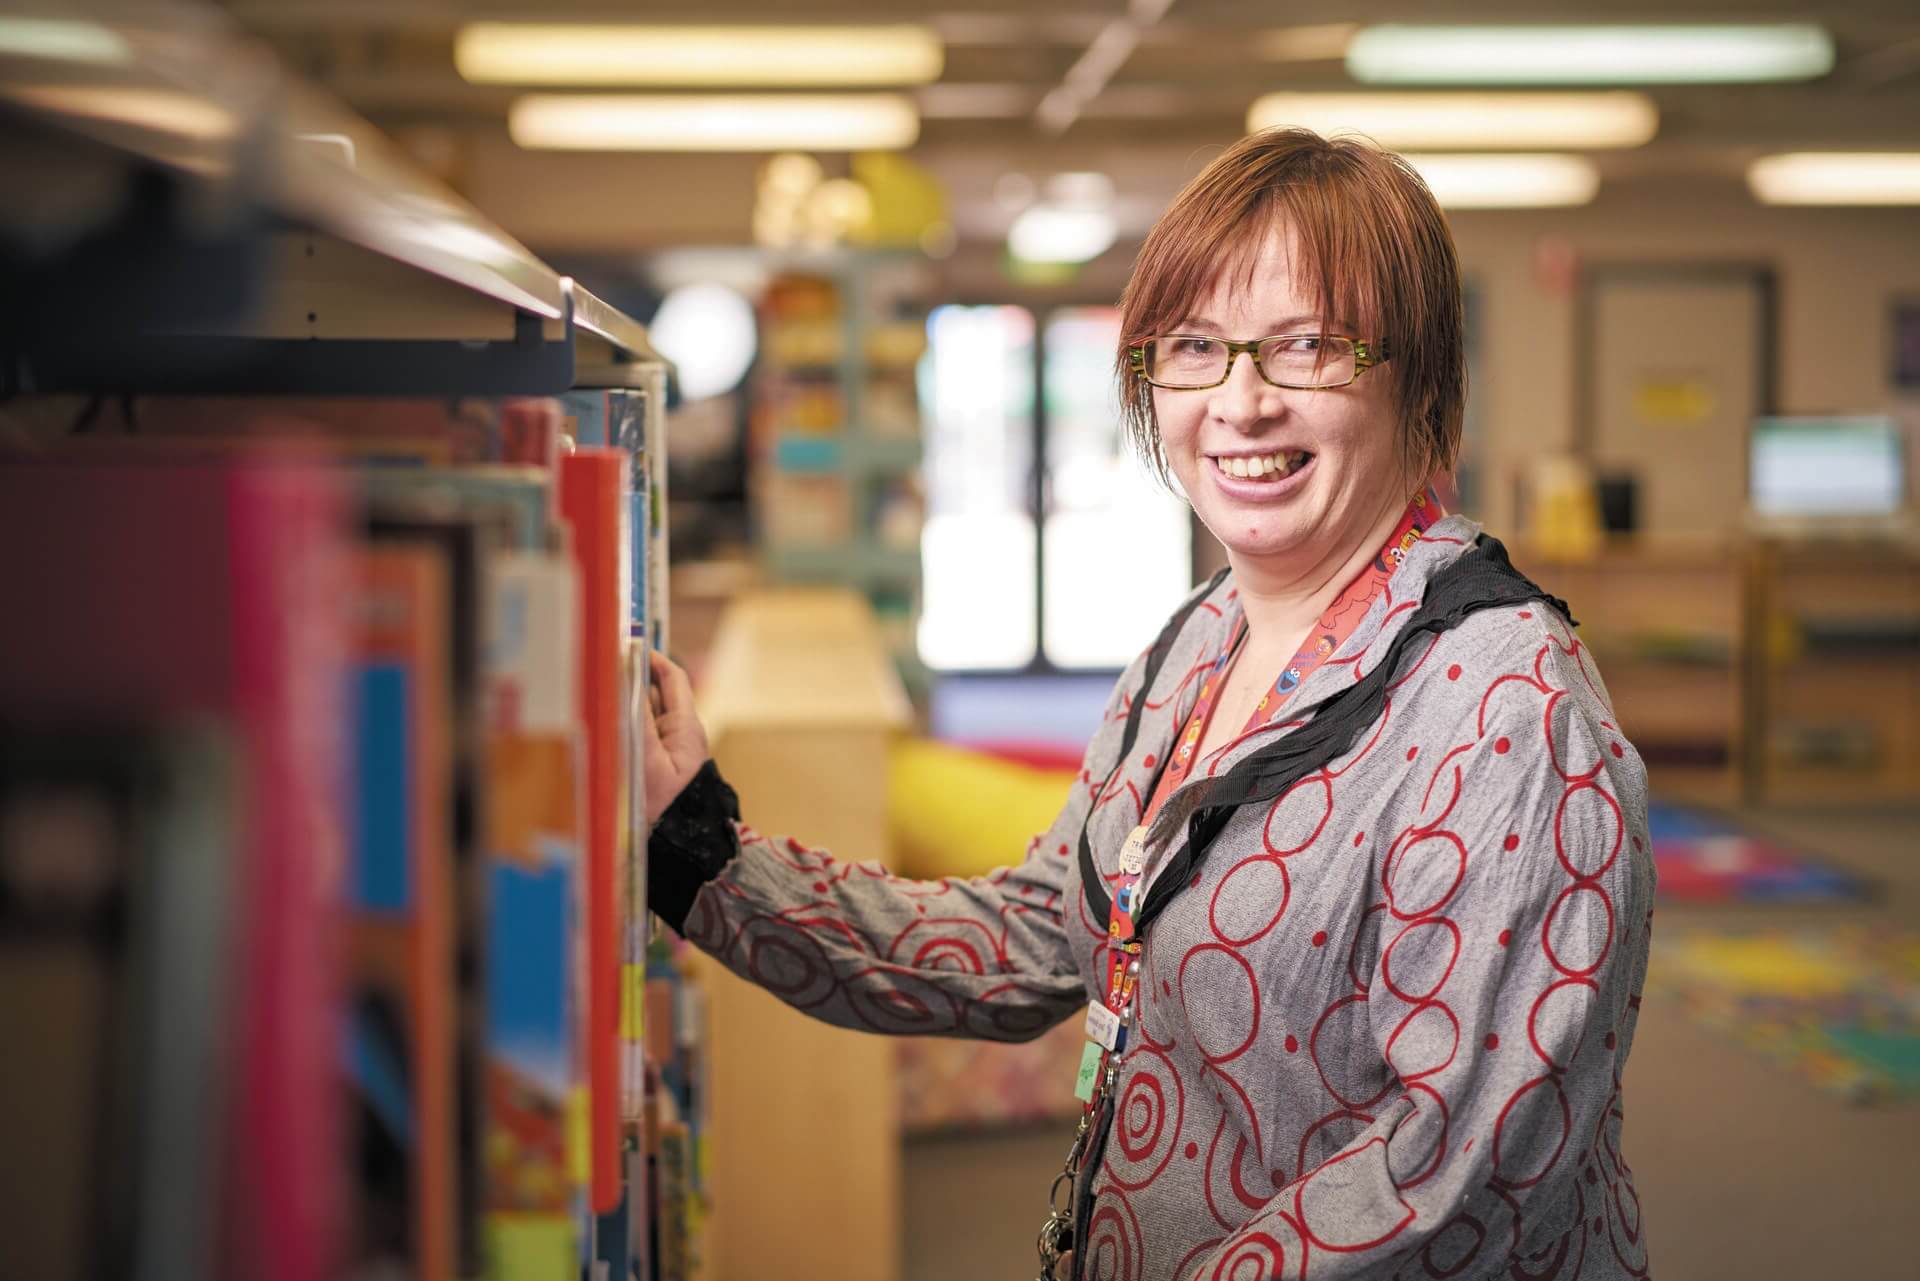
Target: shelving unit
(1766, 670)
(837, 440)
(1836, 669)
(218, 258)
(1667, 625)
(256, 216)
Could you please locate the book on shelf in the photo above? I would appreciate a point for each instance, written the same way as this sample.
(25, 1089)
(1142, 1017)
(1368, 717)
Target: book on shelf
(401, 976)
(535, 1204)
(119, 867)
(594, 490)
(463, 545)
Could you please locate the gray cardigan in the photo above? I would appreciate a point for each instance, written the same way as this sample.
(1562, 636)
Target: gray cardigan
(1379, 1034)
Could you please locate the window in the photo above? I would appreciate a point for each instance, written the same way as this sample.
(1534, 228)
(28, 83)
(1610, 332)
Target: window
(979, 569)
(1073, 566)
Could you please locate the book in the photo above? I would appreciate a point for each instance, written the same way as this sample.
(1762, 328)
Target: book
(167, 590)
(654, 418)
(464, 542)
(535, 1206)
(401, 972)
(617, 418)
(520, 495)
(594, 492)
(118, 868)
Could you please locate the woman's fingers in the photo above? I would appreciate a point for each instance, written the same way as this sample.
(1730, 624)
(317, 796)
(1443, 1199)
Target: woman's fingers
(676, 690)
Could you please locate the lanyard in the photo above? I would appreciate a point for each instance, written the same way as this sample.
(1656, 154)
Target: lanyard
(1330, 631)
(1110, 1018)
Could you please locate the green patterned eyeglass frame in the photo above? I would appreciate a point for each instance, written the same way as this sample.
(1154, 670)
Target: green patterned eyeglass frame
(1365, 356)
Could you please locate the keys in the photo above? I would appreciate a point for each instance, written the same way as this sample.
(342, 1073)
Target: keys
(1055, 1243)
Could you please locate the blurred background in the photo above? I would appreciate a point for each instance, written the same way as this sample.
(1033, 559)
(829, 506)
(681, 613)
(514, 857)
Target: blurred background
(881, 243)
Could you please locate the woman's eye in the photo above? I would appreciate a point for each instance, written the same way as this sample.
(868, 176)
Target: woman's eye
(1192, 346)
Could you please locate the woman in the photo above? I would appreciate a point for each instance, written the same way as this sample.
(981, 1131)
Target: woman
(1355, 884)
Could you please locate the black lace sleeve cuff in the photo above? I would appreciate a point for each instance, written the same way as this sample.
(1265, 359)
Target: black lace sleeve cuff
(690, 845)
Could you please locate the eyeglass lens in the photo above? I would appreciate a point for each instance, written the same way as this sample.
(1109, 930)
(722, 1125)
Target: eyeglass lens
(1301, 360)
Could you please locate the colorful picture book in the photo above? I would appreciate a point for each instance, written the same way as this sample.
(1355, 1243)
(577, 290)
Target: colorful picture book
(401, 973)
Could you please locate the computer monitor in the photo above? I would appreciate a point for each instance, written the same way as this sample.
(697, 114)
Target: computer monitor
(1852, 466)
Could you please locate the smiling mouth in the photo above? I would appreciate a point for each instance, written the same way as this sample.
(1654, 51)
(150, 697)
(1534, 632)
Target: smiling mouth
(1275, 466)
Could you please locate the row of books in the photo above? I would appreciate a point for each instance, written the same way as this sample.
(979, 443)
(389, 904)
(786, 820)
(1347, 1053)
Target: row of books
(323, 942)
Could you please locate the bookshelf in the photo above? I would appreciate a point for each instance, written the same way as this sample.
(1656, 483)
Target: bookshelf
(333, 516)
(1762, 670)
(1667, 624)
(837, 443)
(1836, 669)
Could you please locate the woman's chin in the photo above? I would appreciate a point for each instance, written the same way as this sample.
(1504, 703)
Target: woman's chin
(1263, 542)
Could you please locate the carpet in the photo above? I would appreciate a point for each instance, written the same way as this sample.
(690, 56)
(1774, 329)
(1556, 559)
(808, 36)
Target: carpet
(1702, 858)
(1837, 1005)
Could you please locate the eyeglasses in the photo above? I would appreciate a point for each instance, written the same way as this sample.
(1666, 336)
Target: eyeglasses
(1190, 362)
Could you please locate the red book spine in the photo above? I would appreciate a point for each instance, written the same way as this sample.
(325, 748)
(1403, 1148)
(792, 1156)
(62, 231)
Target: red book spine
(593, 498)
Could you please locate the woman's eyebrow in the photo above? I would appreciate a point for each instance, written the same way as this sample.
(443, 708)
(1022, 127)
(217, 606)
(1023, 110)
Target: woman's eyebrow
(1292, 324)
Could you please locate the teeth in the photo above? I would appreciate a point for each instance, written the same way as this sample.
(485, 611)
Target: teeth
(1279, 463)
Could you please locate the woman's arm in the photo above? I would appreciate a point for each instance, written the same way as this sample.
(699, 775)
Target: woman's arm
(848, 942)
(1504, 1000)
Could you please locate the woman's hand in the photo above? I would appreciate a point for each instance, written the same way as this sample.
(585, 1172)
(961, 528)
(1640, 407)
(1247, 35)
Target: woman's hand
(672, 738)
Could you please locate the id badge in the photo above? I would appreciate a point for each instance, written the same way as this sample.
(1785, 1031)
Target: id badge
(1083, 1083)
(1103, 1025)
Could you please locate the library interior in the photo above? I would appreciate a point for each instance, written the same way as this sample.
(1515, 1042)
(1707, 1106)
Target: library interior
(674, 569)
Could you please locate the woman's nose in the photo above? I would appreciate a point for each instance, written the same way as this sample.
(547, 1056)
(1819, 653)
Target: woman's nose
(1246, 399)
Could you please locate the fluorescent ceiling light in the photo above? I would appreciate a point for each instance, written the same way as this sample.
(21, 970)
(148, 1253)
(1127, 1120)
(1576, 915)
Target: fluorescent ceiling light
(1618, 118)
(1837, 178)
(1395, 54)
(1046, 233)
(63, 40)
(583, 54)
(696, 122)
(1508, 182)
(162, 110)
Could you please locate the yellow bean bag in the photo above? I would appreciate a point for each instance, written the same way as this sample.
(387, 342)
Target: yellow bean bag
(955, 812)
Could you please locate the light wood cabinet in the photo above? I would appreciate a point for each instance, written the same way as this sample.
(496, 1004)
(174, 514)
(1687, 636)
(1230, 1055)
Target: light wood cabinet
(801, 703)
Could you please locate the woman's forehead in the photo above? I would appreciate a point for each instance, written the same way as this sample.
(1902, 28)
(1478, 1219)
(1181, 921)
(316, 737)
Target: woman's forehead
(1269, 279)
(1259, 274)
